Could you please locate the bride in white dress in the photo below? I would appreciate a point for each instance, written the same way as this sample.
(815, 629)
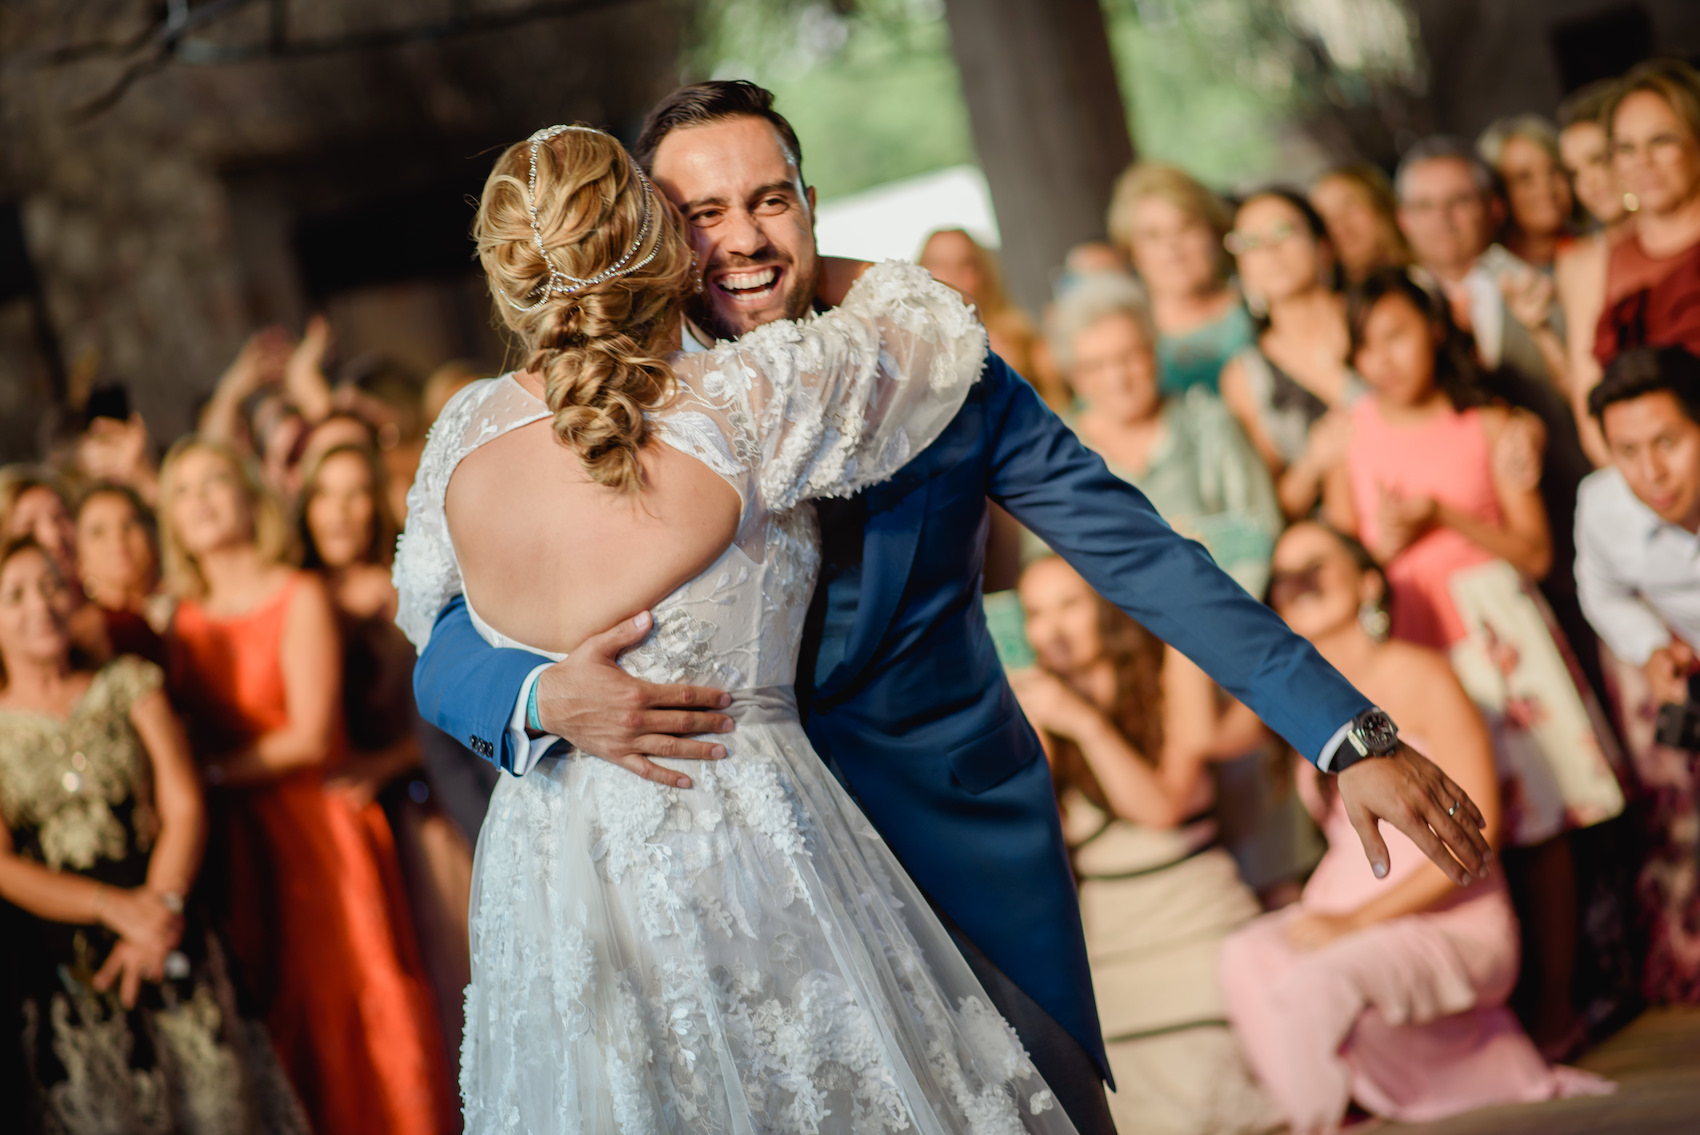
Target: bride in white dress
(745, 955)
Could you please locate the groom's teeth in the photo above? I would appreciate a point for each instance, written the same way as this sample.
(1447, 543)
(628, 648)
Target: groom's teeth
(748, 281)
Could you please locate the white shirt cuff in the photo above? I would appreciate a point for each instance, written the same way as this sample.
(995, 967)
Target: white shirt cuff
(1325, 761)
(527, 750)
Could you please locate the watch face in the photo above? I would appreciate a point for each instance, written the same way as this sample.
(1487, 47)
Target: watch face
(1379, 733)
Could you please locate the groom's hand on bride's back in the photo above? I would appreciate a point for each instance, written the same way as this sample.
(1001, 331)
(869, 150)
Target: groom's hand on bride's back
(587, 700)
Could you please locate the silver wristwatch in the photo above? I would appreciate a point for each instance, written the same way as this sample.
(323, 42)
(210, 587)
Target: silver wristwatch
(1372, 734)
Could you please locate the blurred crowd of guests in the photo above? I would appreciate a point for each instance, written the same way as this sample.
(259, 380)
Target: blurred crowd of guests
(1446, 421)
(236, 864)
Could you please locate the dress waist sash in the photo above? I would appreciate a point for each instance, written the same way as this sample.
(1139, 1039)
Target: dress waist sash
(763, 705)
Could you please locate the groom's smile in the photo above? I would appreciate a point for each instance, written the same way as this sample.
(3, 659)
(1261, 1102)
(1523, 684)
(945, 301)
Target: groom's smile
(751, 222)
(749, 286)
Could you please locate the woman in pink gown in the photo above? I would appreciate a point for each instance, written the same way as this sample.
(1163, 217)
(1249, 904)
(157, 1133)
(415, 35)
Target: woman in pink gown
(1387, 992)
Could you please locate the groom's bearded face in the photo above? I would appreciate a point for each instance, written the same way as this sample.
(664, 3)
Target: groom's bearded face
(751, 222)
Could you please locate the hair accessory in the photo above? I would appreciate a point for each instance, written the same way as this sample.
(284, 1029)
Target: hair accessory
(564, 283)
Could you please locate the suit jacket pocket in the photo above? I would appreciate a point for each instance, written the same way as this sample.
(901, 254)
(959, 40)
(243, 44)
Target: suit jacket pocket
(994, 754)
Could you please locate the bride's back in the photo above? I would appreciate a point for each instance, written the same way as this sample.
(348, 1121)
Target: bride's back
(564, 516)
(550, 557)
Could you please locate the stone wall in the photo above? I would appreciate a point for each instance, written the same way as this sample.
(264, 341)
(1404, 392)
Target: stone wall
(1487, 60)
(166, 192)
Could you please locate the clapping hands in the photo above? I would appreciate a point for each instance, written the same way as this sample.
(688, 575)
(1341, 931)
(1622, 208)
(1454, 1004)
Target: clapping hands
(1401, 520)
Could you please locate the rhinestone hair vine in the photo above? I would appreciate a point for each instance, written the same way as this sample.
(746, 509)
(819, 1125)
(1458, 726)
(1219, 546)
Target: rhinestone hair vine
(564, 283)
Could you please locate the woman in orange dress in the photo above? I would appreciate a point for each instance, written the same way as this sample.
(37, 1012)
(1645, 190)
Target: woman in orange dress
(310, 890)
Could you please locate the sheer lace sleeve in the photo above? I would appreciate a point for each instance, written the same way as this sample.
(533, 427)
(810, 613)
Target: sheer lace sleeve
(426, 573)
(844, 399)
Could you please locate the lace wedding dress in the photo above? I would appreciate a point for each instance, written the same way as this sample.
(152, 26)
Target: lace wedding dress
(745, 956)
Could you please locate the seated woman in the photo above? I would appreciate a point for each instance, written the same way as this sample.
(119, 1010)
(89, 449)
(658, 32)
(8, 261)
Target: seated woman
(1389, 993)
(1124, 721)
(1290, 389)
(1444, 490)
(118, 563)
(1184, 451)
(120, 1011)
(308, 879)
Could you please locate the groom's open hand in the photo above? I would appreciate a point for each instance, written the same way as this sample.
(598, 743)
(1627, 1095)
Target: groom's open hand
(587, 700)
(1411, 793)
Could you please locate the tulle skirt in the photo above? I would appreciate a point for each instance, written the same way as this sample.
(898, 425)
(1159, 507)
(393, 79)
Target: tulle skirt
(745, 956)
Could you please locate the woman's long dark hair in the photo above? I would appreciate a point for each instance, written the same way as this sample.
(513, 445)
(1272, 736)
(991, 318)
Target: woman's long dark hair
(1313, 224)
(1457, 374)
(1137, 658)
(380, 547)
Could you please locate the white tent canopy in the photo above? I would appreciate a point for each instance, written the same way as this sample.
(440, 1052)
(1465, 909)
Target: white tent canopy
(890, 221)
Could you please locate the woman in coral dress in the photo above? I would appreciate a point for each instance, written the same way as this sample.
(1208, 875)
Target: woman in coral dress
(310, 889)
(1387, 992)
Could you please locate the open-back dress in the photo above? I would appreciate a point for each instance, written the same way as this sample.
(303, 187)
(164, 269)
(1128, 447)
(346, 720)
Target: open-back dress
(745, 956)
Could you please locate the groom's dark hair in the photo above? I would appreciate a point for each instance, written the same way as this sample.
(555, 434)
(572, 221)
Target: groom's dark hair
(714, 101)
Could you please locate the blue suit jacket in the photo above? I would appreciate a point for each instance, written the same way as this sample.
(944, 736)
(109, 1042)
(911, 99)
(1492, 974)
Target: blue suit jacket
(918, 718)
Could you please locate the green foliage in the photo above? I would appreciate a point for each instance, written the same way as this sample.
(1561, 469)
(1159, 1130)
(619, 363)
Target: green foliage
(874, 96)
(1192, 87)
(1209, 84)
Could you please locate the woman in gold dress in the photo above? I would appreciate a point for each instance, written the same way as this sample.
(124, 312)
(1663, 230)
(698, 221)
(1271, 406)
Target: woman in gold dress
(121, 1016)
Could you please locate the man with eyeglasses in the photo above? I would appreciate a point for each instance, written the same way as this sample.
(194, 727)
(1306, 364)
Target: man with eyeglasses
(1448, 211)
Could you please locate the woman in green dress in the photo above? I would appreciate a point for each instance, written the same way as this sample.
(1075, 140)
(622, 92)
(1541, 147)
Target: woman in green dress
(120, 1016)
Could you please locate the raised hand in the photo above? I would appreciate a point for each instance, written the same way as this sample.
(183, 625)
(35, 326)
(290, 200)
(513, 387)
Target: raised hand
(304, 378)
(1410, 792)
(1517, 454)
(601, 710)
(1051, 705)
(1528, 296)
(1667, 670)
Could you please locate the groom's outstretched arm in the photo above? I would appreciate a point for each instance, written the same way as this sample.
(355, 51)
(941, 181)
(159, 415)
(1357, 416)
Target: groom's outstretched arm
(479, 694)
(1109, 532)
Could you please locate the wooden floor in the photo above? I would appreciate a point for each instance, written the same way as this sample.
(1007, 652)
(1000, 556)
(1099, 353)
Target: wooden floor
(1656, 1063)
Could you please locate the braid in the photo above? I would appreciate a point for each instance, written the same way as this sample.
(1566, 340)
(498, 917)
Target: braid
(602, 348)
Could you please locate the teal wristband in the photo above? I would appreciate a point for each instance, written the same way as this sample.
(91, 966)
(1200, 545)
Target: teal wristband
(531, 717)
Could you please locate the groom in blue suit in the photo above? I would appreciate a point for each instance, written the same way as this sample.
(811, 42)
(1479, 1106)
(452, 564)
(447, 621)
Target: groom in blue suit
(901, 690)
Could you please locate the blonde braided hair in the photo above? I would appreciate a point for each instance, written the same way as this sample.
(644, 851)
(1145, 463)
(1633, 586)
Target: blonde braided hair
(601, 348)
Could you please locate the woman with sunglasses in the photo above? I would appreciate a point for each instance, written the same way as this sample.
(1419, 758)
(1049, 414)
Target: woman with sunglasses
(1388, 993)
(1290, 388)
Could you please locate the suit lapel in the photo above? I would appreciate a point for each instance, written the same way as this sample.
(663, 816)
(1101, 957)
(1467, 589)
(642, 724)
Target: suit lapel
(888, 552)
